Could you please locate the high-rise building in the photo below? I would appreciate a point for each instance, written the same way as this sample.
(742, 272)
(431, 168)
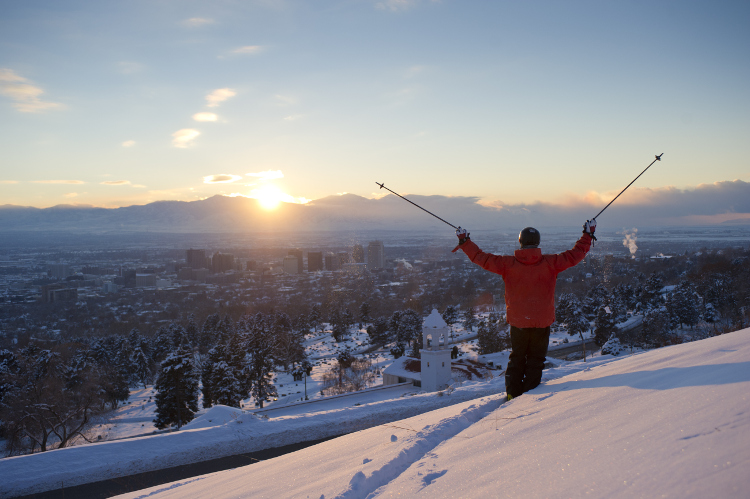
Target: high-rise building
(332, 262)
(221, 262)
(52, 293)
(375, 255)
(314, 261)
(297, 253)
(290, 265)
(196, 258)
(60, 270)
(358, 254)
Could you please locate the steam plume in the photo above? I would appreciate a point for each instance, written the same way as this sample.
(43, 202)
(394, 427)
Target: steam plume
(629, 241)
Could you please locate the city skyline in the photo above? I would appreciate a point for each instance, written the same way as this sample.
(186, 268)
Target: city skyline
(493, 103)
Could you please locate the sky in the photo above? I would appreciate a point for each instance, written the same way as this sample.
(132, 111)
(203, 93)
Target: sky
(512, 103)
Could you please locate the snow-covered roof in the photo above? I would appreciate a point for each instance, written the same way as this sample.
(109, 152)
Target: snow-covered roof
(434, 320)
(403, 368)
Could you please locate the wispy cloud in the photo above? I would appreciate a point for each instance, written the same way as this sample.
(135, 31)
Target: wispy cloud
(221, 178)
(115, 182)
(75, 182)
(205, 117)
(248, 49)
(8, 181)
(294, 117)
(184, 138)
(267, 175)
(218, 96)
(25, 95)
(128, 143)
(285, 100)
(71, 195)
(197, 22)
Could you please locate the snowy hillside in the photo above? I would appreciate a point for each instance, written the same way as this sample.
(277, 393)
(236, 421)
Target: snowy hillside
(671, 422)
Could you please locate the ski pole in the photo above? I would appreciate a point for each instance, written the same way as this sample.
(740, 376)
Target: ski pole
(415, 204)
(658, 158)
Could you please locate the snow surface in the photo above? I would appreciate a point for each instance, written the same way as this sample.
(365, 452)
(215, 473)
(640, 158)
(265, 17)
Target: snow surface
(672, 422)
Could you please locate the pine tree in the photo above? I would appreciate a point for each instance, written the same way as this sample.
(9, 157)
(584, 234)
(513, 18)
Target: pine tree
(226, 387)
(191, 331)
(410, 330)
(604, 325)
(469, 319)
(260, 347)
(364, 313)
(177, 389)
(142, 366)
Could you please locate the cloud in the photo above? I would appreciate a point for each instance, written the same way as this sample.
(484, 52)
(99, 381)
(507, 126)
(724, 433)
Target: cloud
(25, 95)
(221, 178)
(197, 22)
(115, 182)
(58, 182)
(248, 49)
(218, 96)
(184, 138)
(267, 175)
(285, 100)
(8, 181)
(71, 195)
(128, 143)
(205, 117)
(294, 117)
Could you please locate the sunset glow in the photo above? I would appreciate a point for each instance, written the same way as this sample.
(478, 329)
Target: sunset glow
(268, 196)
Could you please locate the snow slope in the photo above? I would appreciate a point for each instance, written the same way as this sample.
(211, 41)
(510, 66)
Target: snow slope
(673, 422)
(223, 431)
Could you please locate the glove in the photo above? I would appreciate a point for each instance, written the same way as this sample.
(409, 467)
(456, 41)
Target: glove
(589, 227)
(462, 235)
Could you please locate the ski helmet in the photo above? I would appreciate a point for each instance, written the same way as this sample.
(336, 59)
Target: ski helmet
(529, 238)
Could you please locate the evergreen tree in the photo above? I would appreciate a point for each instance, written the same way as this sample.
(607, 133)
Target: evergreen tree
(393, 327)
(379, 328)
(364, 313)
(209, 333)
(469, 319)
(177, 389)
(491, 337)
(260, 347)
(191, 331)
(604, 325)
(410, 330)
(226, 387)
(142, 365)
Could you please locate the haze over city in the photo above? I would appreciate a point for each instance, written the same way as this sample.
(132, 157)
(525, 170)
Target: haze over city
(500, 103)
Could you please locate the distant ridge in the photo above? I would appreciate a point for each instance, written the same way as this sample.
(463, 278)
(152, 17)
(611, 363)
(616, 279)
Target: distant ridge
(347, 212)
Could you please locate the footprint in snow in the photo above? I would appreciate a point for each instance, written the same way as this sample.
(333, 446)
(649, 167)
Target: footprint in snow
(366, 460)
(357, 480)
(394, 438)
(431, 477)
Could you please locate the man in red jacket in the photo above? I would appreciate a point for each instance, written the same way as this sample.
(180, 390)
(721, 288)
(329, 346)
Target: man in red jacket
(530, 279)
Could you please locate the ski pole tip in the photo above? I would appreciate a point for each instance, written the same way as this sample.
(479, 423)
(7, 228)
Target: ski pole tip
(658, 157)
(380, 184)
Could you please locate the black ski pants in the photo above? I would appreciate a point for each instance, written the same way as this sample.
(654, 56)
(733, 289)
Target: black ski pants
(527, 356)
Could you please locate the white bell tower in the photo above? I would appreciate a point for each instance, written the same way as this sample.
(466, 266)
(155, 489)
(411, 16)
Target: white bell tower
(436, 356)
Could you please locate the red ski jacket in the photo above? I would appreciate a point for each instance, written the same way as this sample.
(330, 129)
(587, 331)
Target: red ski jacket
(530, 279)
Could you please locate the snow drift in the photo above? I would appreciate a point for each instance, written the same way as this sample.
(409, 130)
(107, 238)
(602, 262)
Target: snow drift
(673, 422)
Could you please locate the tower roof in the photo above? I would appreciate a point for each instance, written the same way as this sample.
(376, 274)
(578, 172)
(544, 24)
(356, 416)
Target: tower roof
(435, 320)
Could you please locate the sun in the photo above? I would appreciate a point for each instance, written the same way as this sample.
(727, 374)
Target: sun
(268, 196)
